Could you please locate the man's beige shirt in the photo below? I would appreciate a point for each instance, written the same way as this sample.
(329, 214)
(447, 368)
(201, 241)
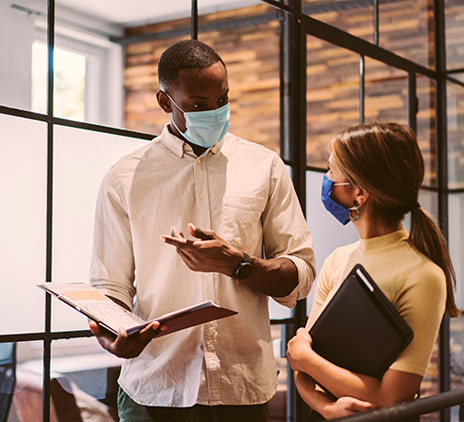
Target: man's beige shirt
(243, 192)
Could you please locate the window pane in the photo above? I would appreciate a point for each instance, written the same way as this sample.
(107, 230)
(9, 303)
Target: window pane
(27, 399)
(455, 114)
(327, 232)
(355, 17)
(89, 374)
(454, 17)
(386, 92)
(406, 27)
(23, 183)
(456, 243)
(247, 39)
(458, 76)
(332, 96)
(81, 159)
(426, 130)
(21, 71)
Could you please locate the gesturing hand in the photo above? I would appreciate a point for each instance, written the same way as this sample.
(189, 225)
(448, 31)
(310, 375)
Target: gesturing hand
(210, 253)
(122, 345)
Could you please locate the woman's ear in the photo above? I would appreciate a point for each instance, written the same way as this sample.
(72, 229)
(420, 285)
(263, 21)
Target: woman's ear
(163, 101)
(360, 195)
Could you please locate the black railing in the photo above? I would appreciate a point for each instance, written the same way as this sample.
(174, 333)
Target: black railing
(407, 411)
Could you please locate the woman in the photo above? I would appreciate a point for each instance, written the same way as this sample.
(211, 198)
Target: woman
(375, 172)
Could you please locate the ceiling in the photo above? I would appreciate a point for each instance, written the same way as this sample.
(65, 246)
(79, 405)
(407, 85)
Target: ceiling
(128, 13)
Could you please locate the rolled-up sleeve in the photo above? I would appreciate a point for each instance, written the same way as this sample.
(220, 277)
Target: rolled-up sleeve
(112, 265)
(286, 233)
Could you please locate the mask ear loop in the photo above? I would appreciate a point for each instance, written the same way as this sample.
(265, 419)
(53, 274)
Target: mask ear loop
(355, 207)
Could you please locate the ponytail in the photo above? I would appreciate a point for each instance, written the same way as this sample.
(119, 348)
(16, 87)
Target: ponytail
(427, 238)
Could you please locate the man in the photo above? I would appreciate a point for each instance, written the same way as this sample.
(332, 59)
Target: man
(250, 241)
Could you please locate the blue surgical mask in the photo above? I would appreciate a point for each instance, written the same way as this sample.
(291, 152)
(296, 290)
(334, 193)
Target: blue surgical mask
(204, 128)
(338, 211)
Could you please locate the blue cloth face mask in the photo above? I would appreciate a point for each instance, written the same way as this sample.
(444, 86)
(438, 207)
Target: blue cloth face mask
(341, 213)
(204, 128)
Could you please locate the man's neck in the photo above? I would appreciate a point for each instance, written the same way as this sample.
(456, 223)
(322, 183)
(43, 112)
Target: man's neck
(197, 149)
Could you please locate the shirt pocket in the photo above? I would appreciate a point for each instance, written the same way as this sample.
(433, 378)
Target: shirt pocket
(241, 222)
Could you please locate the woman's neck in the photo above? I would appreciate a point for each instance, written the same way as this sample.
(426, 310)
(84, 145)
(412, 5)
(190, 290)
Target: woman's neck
(372, 226)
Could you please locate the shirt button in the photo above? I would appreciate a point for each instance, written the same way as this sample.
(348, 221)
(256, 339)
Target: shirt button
(201, 196)
(198, 161)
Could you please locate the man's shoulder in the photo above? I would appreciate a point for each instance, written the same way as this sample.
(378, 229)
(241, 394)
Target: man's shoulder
(132, 158)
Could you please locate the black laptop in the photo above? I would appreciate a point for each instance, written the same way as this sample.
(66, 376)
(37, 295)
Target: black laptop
(360, 329)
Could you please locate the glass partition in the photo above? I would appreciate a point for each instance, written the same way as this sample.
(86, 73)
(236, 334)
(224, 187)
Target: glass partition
(327, 232)
(455, 122)
(355, 17)
(406, 27)
(426, 127)
(23, 68)
(82, 158)
(23, 183)
(386, 92)
(332, 96)
(454, 34)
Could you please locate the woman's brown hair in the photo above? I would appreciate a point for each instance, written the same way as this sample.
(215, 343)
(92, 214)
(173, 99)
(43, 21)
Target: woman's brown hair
(385, 159)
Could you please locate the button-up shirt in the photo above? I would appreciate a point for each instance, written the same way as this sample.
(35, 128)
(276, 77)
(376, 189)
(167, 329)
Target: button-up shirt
(243, 192)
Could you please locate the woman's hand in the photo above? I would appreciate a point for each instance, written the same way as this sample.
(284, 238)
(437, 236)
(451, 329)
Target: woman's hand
(299, 349)
(345, 406)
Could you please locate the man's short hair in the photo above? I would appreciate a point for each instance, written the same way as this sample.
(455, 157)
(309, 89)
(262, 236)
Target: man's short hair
(188, 54)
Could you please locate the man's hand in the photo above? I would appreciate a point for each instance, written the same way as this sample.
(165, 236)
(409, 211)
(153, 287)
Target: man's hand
(210, 253)
(345, 406)
(122, 345)
(298, 349)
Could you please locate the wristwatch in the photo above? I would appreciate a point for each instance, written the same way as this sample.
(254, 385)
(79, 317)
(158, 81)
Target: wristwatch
(244, 267)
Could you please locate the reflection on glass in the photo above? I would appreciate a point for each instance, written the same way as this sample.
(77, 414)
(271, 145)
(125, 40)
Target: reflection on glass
(250, 51)
(406, 28)
(454, 35)
(81, 159)
(355, 17)
(332, 96)
(23, 178)
(426, 130)
(386, 92)
(457, 359)
(88, 374)
(455, 122)
(27, 400)
(277, 405)
(20, 28)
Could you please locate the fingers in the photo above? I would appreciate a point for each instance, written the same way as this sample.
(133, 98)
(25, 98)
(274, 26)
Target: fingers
(200, 233)
(361, 406)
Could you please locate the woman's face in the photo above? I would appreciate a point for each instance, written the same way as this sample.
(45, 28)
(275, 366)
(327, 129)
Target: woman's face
(342, 194)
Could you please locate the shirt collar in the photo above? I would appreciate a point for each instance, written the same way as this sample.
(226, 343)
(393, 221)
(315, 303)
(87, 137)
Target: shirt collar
(178, 147)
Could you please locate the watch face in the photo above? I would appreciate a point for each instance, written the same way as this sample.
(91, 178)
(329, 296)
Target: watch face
(245, 270)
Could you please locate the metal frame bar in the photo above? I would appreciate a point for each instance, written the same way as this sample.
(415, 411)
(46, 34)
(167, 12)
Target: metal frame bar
(194, 20)
(442, 176)
(407, 411)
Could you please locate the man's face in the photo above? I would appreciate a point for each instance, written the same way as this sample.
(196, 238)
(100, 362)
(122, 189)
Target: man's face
(197, 90)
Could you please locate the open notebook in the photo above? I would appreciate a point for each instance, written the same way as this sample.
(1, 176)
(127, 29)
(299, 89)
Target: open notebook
(360, 329)
(98, 307)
